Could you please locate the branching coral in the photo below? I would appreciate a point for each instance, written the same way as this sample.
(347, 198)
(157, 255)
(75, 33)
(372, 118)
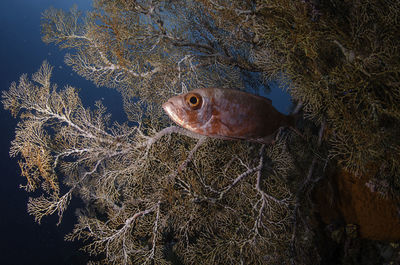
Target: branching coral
(151, 189)
(232, 197)
(341, 59)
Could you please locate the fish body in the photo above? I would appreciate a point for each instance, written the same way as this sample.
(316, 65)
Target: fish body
(227, 114)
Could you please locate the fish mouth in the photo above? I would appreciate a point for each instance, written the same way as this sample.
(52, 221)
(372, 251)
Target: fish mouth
(170, 109)
(168, 106)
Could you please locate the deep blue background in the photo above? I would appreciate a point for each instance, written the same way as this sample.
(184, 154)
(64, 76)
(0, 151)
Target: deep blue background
(22, 241)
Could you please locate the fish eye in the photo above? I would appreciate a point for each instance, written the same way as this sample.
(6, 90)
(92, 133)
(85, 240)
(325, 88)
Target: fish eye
(194, 101)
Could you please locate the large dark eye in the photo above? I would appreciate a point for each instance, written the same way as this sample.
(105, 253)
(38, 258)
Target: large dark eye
(193, 100)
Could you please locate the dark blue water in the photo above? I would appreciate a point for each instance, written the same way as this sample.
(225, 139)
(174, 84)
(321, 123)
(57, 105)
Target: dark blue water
(22, 241)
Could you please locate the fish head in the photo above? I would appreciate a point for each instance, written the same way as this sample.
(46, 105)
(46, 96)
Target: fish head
(191, 110)
(227, 114)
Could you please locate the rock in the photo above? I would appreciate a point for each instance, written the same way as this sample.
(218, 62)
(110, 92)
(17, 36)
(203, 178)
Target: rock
(345, 197)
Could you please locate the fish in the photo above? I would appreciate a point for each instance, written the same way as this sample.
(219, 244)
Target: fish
(228, 114)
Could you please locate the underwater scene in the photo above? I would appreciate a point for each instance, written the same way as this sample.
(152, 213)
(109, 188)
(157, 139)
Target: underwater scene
(200, 132)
